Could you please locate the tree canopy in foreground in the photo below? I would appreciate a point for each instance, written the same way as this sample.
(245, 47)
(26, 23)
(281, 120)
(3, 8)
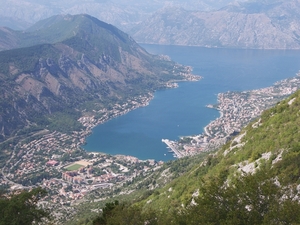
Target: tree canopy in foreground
(22, 208)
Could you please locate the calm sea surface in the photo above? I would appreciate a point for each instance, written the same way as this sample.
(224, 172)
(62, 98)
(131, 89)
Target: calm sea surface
(181, 111)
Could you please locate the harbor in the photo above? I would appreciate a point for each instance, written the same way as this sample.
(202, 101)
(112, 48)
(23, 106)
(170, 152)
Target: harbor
(173, 148)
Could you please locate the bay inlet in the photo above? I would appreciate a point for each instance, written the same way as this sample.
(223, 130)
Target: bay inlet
(182, 111)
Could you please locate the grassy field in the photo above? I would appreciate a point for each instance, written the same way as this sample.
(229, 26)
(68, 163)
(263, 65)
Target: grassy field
(73, 167)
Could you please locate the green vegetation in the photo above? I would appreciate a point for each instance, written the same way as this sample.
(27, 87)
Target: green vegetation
(73, 167)
(25, 59)
(64, 121)
(22, 209)
(252, 199)
(185, 140)
(115, 213)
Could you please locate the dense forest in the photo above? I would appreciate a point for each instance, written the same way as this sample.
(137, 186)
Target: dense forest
(22, 208)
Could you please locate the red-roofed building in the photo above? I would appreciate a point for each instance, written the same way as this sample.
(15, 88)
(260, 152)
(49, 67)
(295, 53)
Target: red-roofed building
(52, 163)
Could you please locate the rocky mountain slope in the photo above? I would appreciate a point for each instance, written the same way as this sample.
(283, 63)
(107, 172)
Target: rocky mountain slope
(253, 24)
(268, 144)
(73, 64)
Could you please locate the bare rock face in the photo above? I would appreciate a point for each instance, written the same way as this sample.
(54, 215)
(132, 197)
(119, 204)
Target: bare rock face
(258, 25)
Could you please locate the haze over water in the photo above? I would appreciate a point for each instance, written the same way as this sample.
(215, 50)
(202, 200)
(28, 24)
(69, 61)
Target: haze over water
(181, 111)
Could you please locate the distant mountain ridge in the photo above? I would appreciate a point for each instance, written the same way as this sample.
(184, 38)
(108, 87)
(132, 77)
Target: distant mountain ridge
(70, 64)
(121, 13)
(253, 24)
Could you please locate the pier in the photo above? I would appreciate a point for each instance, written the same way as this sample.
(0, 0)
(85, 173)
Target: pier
(172, 146)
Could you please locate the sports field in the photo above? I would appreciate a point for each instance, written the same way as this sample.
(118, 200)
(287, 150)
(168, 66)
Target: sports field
(77, 165)
(73, 167)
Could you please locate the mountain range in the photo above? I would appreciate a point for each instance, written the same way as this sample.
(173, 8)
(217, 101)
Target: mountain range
(226, 24)
(123, 14)
(251, 24)
(72, 64)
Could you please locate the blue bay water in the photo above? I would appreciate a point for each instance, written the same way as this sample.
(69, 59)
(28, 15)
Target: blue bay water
(181, 111)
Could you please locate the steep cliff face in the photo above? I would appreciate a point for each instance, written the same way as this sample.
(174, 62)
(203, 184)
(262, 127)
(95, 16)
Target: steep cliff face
(93, 62)
(260, 25)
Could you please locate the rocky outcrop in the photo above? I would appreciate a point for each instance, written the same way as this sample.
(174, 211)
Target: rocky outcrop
(258, 25)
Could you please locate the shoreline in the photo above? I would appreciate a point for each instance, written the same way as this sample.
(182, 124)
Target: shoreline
(90, 122)
(143, 102)
(173, 149)
(206, 132)
(237, 109)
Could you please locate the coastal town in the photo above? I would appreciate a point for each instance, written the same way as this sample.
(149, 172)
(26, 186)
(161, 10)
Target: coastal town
(56, 161)
(49, 155)
(236, 109)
